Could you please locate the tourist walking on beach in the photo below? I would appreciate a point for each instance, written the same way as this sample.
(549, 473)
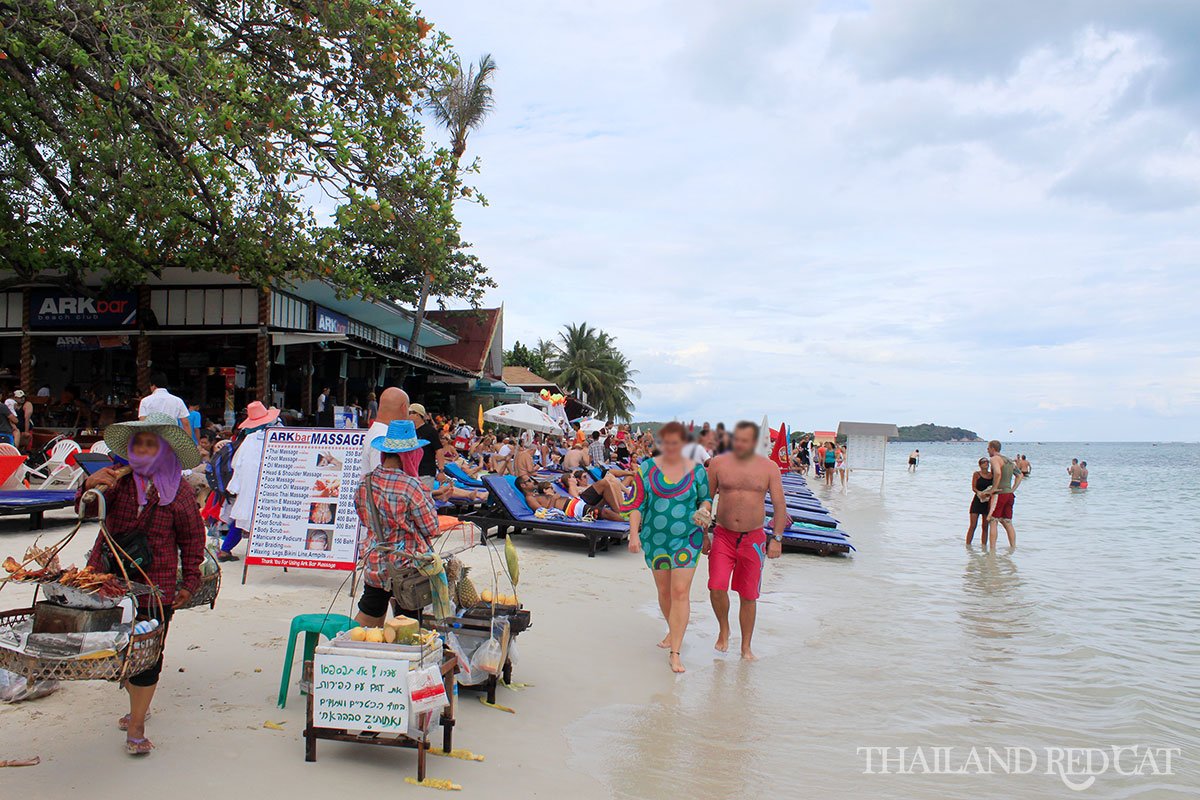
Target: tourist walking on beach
(840, 465)
(741, 480)
(156, 502)
(1083, 475)
(243, 483)
(400, 518)
(668, 527)
(913, 459)
(981, 489)
(830, 463)
(1005, 480)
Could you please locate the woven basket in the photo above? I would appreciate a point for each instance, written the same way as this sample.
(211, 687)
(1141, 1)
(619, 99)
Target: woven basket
(139, 655)
(210, 586)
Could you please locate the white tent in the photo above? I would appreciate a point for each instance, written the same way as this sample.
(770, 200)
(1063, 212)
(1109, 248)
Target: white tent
(590, 425)
(522, 415)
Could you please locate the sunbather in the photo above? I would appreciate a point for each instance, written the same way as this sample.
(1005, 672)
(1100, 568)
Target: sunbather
(599, 500)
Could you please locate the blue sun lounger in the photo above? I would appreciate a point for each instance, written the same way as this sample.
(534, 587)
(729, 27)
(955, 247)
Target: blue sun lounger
(462, 477)
(508, 511)
(806, 515)
(34, 502)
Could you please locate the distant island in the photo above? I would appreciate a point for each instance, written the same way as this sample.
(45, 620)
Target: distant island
(928, 432)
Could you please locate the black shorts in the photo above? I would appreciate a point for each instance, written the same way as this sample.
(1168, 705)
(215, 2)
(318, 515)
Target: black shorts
(375, 601)
(980, 506)
(591, 496)
(912, 462)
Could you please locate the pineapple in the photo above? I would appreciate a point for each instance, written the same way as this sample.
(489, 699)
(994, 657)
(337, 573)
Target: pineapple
(467, 595)
(453, 568)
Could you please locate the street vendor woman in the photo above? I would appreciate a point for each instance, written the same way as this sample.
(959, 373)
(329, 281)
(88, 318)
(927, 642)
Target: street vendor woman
(398, 513)
(156, 501)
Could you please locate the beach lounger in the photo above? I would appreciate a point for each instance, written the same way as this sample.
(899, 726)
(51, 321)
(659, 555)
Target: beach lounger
(462, 477)
(821, 544)
(805, 515)
(510, 512)
(34, 502)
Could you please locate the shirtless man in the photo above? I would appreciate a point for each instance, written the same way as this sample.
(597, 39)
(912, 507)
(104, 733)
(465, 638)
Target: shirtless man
(740, 481)
(1074, 471)
(523, 466)
(1005, 481)
(575, 457)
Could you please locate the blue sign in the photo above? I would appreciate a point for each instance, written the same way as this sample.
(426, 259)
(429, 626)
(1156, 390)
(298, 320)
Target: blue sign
(331, 321)
(49, 308)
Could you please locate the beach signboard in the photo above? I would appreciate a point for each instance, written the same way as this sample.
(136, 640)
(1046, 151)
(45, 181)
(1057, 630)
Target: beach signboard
(304, 514)
(360, 693)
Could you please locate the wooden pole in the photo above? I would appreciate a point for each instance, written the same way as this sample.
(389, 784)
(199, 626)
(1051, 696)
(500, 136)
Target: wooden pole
(26, 347)
(262, 364)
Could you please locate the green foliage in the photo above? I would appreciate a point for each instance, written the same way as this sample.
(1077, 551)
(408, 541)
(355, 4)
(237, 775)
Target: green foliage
(532, 359)
(137, 135)
(586, 360)
(928, 432)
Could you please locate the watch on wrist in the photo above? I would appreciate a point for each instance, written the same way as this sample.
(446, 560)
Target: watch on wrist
(777, 537)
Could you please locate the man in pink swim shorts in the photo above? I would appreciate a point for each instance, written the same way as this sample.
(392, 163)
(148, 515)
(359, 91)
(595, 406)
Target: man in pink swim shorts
(740, 481)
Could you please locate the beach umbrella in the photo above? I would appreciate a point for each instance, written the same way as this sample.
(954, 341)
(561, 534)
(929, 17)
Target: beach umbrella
(590, 425)
(522, 415)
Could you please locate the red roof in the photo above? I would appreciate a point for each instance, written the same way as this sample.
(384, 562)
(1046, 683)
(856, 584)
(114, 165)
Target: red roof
(478, 332)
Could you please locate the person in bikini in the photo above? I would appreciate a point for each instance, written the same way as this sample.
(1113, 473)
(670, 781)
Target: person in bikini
(738, 548)
(600, 500)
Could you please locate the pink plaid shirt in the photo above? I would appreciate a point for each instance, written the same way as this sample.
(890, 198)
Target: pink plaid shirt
(406, 513)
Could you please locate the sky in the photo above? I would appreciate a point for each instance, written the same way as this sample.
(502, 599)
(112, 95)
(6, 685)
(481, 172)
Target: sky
(964, 212)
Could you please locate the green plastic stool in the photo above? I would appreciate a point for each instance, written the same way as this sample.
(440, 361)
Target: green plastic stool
(313, 626)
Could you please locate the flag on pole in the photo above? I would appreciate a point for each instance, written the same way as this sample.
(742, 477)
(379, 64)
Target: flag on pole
(779, 452)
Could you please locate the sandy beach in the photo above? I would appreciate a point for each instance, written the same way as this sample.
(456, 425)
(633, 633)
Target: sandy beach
(592, 646)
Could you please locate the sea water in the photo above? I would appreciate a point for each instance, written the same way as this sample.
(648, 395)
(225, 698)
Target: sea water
(1001, 675)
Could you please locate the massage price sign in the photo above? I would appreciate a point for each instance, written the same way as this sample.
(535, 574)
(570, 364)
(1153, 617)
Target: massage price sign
(359, 693)
(304, 511)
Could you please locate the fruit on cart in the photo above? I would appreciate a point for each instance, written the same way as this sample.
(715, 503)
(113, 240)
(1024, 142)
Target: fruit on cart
(400, 628)
(374, 635)
(468, 596)
(358, 634)
(510, 559)
(486, 595)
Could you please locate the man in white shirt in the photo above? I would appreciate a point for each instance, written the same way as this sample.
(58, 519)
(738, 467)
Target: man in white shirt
(393, 404)
(161, 401)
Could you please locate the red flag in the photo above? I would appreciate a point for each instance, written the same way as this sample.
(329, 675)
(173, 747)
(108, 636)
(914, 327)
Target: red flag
(779, 452)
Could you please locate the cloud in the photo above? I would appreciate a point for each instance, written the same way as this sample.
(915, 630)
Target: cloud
(982, 214)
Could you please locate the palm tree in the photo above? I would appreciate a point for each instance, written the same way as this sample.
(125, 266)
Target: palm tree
(460, 105)
(585, 361)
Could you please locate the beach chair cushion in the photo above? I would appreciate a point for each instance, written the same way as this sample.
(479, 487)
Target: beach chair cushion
(504, 489)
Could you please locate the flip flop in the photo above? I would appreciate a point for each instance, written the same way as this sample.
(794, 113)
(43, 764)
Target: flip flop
(138, 747)
(123, 722)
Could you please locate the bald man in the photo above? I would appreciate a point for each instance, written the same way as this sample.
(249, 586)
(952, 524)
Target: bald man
(393, 404)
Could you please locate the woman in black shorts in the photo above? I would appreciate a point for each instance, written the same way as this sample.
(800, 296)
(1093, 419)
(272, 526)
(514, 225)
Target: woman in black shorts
(981, 480)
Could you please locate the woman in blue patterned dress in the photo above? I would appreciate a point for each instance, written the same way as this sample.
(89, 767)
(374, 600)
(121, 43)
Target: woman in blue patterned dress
(668, 525)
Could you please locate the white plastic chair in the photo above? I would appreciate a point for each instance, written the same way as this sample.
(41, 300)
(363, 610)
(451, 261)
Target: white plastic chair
(7, 449)
(100, 447)
(60, 474)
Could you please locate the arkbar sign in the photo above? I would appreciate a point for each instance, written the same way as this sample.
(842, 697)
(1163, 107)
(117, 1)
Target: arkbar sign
(49, 309)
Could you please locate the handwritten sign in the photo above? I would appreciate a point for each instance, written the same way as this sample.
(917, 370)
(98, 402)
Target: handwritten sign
(304, 512)
(360, 693)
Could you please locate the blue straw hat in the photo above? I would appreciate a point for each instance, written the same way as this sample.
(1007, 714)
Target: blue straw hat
(401, 437)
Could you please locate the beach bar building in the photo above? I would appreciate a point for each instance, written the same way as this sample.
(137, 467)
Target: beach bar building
(220, 342)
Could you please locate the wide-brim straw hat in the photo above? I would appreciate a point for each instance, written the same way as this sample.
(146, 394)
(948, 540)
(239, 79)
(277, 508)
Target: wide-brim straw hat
(258, 415)
(119, 435)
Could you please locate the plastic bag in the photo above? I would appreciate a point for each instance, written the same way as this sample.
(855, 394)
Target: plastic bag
(488, 658)
(514, 655)
(14, 688)
(466, 676)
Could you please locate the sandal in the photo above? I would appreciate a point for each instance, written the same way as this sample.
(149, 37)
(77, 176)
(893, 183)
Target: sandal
(123, 722)
(223, 557)
(138, 747)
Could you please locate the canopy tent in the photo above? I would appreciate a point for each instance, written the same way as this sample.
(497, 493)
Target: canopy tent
(522, 415)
